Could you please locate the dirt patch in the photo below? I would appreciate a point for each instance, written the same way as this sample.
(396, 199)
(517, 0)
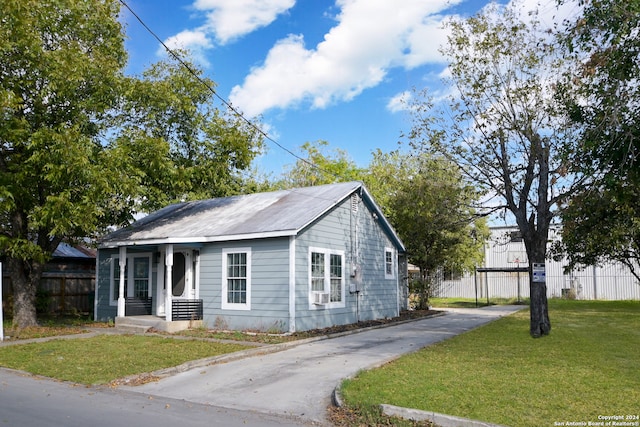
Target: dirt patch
(404, 316)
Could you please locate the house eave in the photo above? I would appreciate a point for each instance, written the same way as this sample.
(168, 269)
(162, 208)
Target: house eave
(194, 240)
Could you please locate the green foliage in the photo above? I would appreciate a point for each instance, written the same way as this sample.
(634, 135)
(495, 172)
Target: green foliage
(601, 223)
(82, 147)
(432, 209)
(43, 300)
(503, 126)
(178, 145)
(319, 166)
(494, 374)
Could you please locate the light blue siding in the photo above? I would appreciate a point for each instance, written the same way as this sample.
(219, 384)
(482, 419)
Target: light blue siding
(355, 234)
(104, 311)
(363, 241)
(269, 286)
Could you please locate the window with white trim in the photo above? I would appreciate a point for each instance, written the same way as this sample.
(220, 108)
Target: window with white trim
(139, 274)
(389, 264)
(236, 279)
(326, 277)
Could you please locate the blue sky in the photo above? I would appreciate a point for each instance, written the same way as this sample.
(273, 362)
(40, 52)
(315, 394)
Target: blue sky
(313, 69)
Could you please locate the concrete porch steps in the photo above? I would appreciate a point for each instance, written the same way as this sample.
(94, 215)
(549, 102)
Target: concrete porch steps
(142, 324)
(139, 324)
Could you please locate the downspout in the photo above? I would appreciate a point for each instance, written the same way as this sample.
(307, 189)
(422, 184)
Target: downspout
(292, 284)
(353, 236)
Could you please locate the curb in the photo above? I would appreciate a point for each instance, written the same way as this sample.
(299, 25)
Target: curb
(442, 420)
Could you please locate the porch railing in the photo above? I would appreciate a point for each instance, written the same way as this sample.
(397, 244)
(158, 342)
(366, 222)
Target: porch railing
(186, 309)
(137, 306)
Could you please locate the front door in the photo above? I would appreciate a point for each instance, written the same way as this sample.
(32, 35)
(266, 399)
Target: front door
(180, 283)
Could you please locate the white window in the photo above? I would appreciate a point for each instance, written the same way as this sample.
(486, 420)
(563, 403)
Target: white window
(236, 279)
(136, 271)
(326, 278)
(389, 264)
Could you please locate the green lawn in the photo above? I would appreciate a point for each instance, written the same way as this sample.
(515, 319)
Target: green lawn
(588, 366)
(104, 358)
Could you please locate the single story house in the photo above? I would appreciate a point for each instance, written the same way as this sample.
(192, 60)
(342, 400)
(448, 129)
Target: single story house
(282, 261)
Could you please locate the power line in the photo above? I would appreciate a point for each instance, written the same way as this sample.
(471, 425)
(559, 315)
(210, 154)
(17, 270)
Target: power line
(222, 99)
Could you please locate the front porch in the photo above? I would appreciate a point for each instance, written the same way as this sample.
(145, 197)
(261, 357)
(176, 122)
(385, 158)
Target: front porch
(143, 324)
(185, 314)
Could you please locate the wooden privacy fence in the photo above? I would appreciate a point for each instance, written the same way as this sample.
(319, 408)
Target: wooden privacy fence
(67, 292)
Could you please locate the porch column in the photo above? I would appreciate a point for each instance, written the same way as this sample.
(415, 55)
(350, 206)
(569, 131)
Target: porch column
(196, 295)
(123, 264)
(168, 295)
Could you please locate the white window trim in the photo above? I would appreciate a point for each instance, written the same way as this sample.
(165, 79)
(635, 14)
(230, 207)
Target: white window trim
(327, 278)
(394, 262)
(235, 306)
(114, 284)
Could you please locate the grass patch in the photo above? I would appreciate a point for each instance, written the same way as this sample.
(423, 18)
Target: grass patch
(587, 366)
(105, 358)
(51, 326)
(471, 302)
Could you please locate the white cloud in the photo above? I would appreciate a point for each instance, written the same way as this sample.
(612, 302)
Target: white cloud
(371, 37)
(195, 41)
(400, 102)
(227, 20)
(230, 19)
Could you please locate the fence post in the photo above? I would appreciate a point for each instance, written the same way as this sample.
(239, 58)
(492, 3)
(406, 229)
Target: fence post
(475, 281)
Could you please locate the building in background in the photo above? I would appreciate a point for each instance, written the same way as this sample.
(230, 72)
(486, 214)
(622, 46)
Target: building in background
(505, 274)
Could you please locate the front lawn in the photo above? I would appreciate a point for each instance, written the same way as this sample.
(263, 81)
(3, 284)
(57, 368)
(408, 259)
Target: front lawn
(587, 367)
(105, 358)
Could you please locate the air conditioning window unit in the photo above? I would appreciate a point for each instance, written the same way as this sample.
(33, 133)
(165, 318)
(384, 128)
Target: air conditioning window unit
(320, 298)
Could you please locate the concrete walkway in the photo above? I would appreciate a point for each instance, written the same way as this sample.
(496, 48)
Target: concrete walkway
(299, 380)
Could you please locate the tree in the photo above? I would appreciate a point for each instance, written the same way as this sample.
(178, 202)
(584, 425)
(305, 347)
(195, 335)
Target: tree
(59, 75)
(320, 166)
(432, 209)
(83, 147)
(502, 126)
(602, 221)
(179, 144)
(602, 224)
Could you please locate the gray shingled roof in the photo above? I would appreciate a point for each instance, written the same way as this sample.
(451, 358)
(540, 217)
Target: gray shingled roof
(272, 214)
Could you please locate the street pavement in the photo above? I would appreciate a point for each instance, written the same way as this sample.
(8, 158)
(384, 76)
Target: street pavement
(30, 401)
(298, 382)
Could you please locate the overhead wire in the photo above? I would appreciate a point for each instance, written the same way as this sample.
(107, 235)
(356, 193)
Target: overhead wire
(233, 109)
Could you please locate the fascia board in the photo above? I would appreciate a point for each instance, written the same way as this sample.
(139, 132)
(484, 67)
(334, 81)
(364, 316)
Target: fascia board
(187, 240)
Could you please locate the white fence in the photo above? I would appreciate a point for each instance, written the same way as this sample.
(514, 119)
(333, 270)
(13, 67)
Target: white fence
(505, 252)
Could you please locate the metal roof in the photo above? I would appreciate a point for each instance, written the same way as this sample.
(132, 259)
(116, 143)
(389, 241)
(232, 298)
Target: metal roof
(65, 250)
(259, 215)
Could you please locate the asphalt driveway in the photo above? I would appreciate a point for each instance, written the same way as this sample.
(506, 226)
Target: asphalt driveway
(299, 381)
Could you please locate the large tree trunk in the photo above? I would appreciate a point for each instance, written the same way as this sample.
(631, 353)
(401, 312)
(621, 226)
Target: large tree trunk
(25, 283)
(539, 312)
(539, 307)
